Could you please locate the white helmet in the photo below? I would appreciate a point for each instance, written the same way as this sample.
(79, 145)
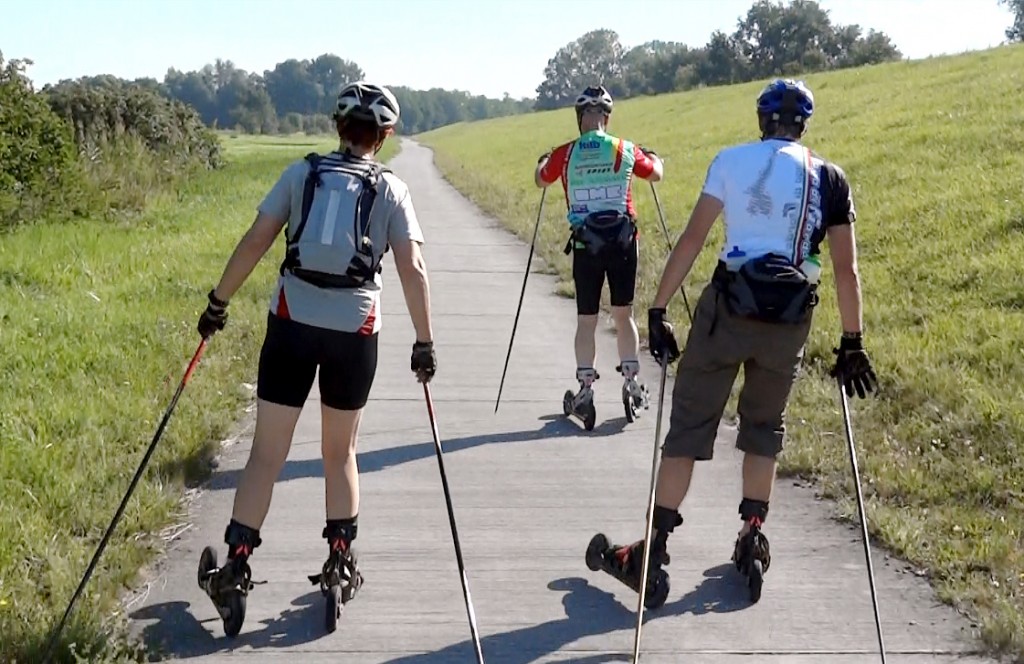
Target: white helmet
(366, 101)
(594, 97)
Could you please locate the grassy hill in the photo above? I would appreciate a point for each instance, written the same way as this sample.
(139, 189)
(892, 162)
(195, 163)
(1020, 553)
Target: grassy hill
(101, 320)
(935, 153)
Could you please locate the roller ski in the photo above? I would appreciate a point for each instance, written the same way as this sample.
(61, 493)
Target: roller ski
(228, 586)
(752, 555)
(340, 578)
(635, 396)
(581, 404)
(625, 562)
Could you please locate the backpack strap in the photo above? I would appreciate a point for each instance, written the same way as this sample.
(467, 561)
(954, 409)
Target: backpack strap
(309, 186)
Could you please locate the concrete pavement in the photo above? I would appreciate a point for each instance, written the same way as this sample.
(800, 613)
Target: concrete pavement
(530, 488)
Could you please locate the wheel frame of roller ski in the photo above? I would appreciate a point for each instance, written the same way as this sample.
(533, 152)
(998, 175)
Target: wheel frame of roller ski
(232, 612)
(586, 412)
(751, 567)
(339, 581)
(596, 557)
(634, 403)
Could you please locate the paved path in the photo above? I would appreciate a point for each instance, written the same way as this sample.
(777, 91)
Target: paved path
(530, 488)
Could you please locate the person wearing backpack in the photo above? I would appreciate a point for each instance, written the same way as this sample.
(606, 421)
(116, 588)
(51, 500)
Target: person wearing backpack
(779, 201)
(342, 211)
(597, 171)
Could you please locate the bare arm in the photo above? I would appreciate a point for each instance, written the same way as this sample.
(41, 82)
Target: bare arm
(690, 243)
(842, 247)
(248, 253)
(412, 271)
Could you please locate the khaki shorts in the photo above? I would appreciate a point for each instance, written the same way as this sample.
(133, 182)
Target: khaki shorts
(717, 346)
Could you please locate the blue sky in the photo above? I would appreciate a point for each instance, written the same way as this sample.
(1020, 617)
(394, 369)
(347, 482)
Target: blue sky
(483, 46)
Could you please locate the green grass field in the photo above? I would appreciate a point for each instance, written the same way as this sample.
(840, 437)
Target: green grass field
(935, 152)
(99, 323)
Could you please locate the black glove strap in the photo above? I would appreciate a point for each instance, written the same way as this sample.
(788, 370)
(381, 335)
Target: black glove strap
(220, 304)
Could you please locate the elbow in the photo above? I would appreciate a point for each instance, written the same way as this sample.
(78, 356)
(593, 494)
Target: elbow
(413, 268)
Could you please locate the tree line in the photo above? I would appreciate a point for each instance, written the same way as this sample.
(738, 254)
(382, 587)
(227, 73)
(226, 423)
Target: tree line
(299, 96)
(773, 39)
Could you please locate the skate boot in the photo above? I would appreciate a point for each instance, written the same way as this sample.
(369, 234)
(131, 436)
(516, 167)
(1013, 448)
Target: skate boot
(581, 404)
(634, 393)
(625, 562)
(752, 554)
(340, 577)
(228, 586)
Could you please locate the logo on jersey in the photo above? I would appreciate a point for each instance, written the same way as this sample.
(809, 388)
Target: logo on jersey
(760, 202)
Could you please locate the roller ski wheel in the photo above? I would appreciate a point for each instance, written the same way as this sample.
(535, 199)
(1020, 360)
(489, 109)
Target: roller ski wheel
(752, 558)
(602, 555)
(226, 588)
(595, 551)
(339, 580)
(585, 411)
(634, 403)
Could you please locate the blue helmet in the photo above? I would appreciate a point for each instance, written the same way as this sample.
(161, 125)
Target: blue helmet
(786, 97)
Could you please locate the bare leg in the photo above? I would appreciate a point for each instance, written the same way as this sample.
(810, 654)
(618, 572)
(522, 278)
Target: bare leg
(673, 481)
(758, 480)
(275, 425)
(627, 336)
(341, 473)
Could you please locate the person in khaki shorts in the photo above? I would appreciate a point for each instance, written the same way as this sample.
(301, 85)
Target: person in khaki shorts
(779, 201)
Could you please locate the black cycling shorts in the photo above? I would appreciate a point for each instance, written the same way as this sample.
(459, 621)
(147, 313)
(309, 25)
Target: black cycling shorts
(589, 271)
(291, 353)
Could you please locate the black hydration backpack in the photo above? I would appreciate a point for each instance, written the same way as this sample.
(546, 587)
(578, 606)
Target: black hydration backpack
(331, 255)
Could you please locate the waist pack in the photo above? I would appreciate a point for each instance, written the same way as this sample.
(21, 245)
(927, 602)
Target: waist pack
(601, 231)
(330, 256)
(769, 289)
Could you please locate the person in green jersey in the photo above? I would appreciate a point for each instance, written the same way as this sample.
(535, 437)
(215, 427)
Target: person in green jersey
(597, 172)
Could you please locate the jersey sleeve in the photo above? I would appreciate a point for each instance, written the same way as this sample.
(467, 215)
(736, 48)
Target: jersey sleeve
(714, 179)
(839, 208)
(278, 201)
(555, 165)
(404, 224)
(643, 166)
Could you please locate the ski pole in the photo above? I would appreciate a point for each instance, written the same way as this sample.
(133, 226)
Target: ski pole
(863, 515)
(650, 515)
(451, 520)
(127, 495)
(668, 241)
(522, 293)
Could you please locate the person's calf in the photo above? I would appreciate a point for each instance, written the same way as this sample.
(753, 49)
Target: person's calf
(585, 346)
(673, 481)
(627, 336)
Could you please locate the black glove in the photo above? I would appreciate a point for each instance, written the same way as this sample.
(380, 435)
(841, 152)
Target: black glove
(546, 155)
(853, 366)
(647, 151)
(213, 318)
(424, 361)
(660, 337)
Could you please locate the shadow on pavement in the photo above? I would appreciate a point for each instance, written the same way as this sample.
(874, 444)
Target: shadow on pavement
(175, 631)
(555, 426)
(589, 611)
